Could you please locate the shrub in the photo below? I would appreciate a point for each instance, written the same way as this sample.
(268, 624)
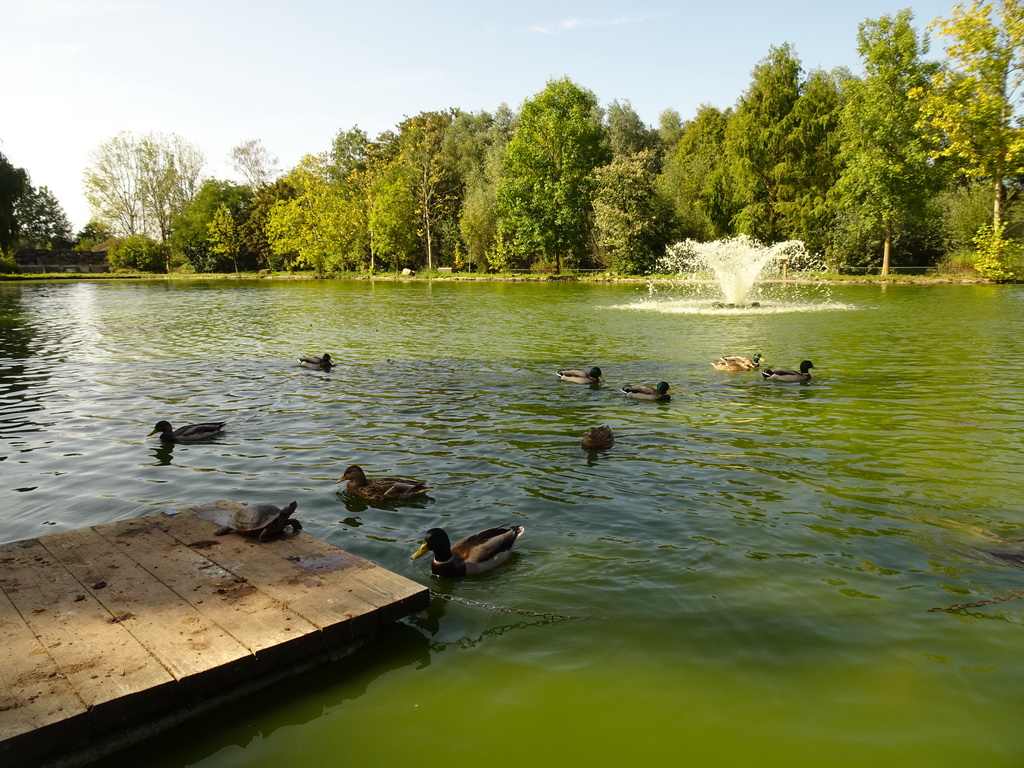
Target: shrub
(998, 257)
(140, 253)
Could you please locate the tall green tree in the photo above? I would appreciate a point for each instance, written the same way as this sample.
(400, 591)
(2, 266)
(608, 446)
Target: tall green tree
(888, 171)
(91, 235)
(392, 215)
(191, 229)
(312, 224)
(13, 183)
(815, 146)
(632, 225)
(349, 152)
(975, 102)
(434, 181)
(670, 131)
(254, 230)
(170, 170)
(627, 134)
(113, 186)
(42, 222)
(697, 181)
(475, 146)
(254, 162)
(545, 190)
(139, 185)
(226, 235)
(758, 140)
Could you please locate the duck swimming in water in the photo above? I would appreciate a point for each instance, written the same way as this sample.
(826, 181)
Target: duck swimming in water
(381, 487)
(593, 376)
(788, 374)
(598, 439)
(643, 392)
(316, 363)
(190, 433)
(737, 363)
(476, 553)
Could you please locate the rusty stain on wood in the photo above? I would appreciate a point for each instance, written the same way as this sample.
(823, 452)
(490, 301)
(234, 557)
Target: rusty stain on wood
(117, 626)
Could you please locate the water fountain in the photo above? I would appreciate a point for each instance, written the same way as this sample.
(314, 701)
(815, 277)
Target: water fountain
(736, 262)
(741, 282)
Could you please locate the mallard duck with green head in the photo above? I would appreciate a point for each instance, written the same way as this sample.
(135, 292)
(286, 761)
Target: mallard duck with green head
(642, 392)
(314, 363)
(737, 363)
(381, 487)
(598, 439)
(593, 376)
(476, 553)
(788, 374)
(190, 433)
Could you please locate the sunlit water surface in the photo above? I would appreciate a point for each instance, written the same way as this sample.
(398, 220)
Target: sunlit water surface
(757, 558)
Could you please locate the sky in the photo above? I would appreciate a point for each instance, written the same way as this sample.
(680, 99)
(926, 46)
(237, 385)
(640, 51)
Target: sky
(76, 73)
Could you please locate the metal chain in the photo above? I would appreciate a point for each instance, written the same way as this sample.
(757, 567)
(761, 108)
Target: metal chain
(507, 609)
(559, 616)
(977, 603)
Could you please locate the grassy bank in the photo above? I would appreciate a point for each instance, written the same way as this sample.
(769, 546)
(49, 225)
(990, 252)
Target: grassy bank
(588, 276)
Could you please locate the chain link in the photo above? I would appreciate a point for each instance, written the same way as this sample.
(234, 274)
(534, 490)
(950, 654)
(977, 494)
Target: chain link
(507, 609)
(559, 616)
(977, 603)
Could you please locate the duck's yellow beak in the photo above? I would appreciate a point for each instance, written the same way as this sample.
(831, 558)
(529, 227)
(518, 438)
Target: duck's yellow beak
(152, 433)
(421, 551)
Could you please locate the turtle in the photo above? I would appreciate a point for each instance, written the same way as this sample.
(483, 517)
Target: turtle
(261, 520)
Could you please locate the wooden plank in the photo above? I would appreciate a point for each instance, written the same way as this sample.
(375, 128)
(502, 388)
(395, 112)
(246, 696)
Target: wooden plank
(112, 632)
(183, 640)
(395, 595)
(98, 655)
(34, 693)
(362, 579)
(267, 628)
(335, 611)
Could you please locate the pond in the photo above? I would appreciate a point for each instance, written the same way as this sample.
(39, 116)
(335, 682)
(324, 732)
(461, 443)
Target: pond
(743, 579)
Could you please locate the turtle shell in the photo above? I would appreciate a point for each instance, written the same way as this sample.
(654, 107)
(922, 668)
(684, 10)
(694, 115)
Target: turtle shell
(256, 517)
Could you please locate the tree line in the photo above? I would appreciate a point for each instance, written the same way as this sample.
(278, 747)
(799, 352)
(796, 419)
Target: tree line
(913, 162)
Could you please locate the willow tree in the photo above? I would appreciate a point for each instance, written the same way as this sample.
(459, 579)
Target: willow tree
(888, 171)
(545, 190)
(974, 103)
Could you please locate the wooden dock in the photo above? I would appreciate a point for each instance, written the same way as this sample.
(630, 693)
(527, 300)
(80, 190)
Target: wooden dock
(111, 633)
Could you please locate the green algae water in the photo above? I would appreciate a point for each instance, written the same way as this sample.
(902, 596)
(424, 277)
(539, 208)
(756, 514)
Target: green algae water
(743, 579)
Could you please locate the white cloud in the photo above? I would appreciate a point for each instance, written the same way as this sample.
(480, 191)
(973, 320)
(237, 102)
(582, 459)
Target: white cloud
(569, 25)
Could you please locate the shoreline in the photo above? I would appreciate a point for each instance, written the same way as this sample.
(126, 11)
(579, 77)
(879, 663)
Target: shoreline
(507, 278)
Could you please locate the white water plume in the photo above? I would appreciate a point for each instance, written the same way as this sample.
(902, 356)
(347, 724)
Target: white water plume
(737, 263)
